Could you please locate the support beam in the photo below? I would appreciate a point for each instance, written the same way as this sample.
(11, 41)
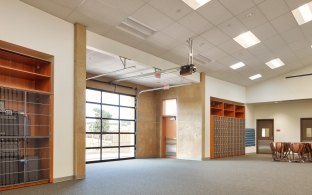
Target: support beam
(79, 100)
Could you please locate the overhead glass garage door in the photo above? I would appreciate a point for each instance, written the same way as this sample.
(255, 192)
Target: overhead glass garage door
(110, 126)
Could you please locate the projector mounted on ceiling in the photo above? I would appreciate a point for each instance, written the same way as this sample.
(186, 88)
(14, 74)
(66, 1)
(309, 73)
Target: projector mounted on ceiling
(190, 67)
(187, 69)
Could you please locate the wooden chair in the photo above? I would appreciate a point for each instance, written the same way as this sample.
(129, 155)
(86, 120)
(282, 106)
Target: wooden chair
(280, 150)
(299, 149)
(307, 153)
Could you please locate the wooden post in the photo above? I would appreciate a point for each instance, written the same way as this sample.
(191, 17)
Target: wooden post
(79, 100)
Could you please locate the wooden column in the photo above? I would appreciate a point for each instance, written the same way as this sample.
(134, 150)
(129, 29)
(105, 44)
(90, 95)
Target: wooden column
(79, 101)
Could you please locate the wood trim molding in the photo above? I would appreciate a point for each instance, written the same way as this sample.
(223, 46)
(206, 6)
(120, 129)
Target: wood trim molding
(79, 100)
(61, 179)
(202, 90)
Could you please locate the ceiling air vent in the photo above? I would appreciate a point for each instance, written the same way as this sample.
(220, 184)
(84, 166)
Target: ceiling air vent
(136, 28)
(202, 59)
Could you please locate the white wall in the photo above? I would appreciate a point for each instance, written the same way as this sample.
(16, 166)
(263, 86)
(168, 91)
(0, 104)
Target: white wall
(98, 42)
(29, 27)
(219, 89)
(286, 117)
(280, 89)
(250, 123)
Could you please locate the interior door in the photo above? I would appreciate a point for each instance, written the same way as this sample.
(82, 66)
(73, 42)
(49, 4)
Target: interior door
(169, 137)
(306, 129)
(265, 135)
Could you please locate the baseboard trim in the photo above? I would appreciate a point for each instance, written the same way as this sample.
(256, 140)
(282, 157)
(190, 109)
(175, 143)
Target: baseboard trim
(61, 179)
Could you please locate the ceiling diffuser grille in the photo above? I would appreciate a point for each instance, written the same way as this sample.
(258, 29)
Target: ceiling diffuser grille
(136, 28)
(202, 59)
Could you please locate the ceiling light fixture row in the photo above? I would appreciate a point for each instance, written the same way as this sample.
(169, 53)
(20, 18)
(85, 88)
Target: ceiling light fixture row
(302, 14)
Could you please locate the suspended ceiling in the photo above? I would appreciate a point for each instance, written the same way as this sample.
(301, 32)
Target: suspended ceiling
(212, 26)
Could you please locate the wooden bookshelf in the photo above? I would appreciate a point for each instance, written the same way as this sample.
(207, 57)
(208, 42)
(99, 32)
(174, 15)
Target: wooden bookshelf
(26, 117)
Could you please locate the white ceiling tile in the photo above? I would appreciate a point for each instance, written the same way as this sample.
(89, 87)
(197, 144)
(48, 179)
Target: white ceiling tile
(201, 44)
(214, 65)
(215, 12)
(230, 46)
(307, 29)
(123, 37)
(208, 69)
(264, 31)
(243, 55)
(162, 40)
(178, 32)
(309, 39)
(304, 53)
(214, 53)
(284, 23)
(297, 45)
(294, 61)
(72, 4)
(273, 8)
(293, 4)
(260, 51)
(237, 6)
(178, 55)
(293, 35)
(215, 36)
(94, 9)
(195, 23)
(128, 6)
(246, 72)
(173, 8)
(252, 61)
(53, 8)
(233, 27)
(258, 1)
(151, 17)
(306, 61)
(228, 61)
(274, 43)
(150, 48)
(252, 18)
(286, 55)
(94, 25)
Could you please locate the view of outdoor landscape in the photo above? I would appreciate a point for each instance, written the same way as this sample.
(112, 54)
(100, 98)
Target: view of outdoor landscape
(110, 126)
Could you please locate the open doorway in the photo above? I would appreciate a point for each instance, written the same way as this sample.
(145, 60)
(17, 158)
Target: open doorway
(169, 134)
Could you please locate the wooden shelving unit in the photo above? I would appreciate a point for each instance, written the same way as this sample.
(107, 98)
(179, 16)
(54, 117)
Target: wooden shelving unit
(227, 126)
(216, 108)
(229, 110)
(239, 111)
(26, 117)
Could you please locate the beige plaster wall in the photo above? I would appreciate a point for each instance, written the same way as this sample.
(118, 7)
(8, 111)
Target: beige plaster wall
(189, 119)
(147, 132)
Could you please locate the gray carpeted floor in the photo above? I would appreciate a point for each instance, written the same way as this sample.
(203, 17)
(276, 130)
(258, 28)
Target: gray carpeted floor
(251, 174)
